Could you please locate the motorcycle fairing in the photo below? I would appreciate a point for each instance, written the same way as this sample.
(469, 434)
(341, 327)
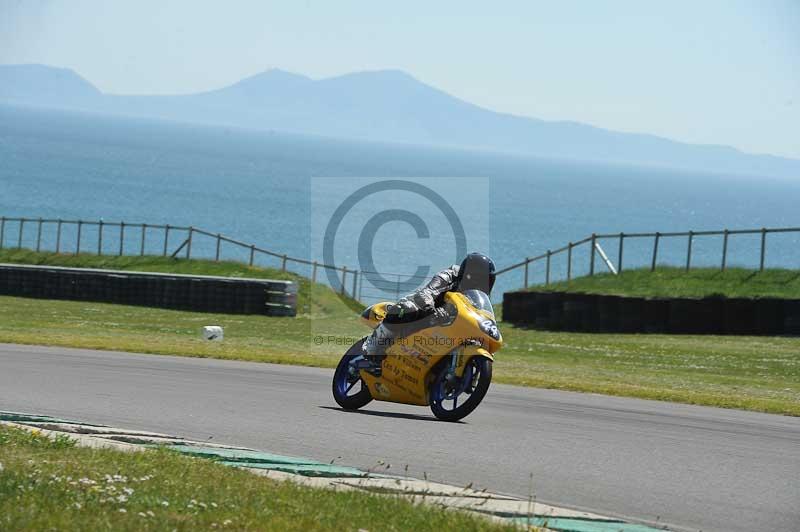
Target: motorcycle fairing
(407, 368)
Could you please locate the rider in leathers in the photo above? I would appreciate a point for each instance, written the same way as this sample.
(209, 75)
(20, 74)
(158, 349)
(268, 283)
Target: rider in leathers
(424, 307)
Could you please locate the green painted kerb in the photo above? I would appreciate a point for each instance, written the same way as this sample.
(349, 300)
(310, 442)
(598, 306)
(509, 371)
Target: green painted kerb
(564, 524)
(275, 462)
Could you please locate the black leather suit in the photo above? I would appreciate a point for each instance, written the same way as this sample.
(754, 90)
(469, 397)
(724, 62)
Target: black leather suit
(424, 302)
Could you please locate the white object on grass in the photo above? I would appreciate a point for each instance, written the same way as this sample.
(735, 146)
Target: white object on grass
(213, 332)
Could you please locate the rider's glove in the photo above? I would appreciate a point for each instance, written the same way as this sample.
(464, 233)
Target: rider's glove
(403, 308)
(440, 315)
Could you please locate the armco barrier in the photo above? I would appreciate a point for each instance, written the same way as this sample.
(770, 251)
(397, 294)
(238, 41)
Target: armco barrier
(185, 292)
(604, 313)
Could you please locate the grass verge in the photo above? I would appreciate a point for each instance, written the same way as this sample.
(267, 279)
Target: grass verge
(52, 485)
(752, 373)
(677, 282)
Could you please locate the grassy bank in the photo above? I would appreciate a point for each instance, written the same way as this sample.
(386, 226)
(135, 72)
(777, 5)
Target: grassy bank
(52, 485)
(677, 282)
(754, 373)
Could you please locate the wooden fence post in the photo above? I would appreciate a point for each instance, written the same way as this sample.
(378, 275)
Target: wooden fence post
(100, 238)
(58, 236)
(724, 249)
(283, 263)
(144, 233)
(344, 278)
(569, 262)
(527, 261)
(189, 244)
(763, 247)
(166, 239)
(78, 243)
(252, 253)
(689, 251)
(39, 236)
(2, 230)
(655, 252)
(547, 270)
(121, 238)
(591, 255)
(219, 243)
(619, 254)
(314, 272)
(19, 240)
(355, 282)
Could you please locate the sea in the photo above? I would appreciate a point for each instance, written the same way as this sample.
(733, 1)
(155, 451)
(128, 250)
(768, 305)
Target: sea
(400, 210)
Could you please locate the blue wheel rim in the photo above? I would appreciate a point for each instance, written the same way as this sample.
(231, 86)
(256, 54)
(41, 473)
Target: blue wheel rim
(346, 382)
(442, 393)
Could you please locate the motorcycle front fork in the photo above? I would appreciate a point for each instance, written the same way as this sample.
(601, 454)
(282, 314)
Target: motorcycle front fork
(451, 368)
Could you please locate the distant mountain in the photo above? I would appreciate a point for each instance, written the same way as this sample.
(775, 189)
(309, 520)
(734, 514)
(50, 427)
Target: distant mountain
(388, 106)
(46, 86)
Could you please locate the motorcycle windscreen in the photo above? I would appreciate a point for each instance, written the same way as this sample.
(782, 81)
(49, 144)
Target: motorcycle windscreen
(480, 301)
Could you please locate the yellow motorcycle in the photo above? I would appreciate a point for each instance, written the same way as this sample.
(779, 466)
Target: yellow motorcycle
(447, 365)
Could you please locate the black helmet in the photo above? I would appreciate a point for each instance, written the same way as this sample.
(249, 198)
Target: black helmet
(476, 273)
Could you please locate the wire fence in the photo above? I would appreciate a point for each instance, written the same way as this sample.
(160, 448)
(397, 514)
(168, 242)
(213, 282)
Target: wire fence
(122, 238)
(574, 259)
(381, 285)
(593, 252)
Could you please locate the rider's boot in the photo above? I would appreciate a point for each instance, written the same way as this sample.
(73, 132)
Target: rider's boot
(375, 348)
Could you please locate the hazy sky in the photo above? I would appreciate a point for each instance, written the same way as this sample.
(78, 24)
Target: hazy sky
(721, 72)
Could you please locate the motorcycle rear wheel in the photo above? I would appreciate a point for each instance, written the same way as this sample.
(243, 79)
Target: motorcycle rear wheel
(345, 381)
(471, 388)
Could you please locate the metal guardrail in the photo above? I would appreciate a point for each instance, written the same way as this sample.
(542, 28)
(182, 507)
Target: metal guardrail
(595, 249)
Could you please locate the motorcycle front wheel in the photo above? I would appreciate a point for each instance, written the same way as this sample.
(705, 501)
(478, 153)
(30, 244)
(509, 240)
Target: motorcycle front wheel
(453, 398)
(349, 390)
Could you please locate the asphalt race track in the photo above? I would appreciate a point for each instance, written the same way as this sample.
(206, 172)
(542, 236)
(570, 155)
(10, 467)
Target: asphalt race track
(690, 467)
